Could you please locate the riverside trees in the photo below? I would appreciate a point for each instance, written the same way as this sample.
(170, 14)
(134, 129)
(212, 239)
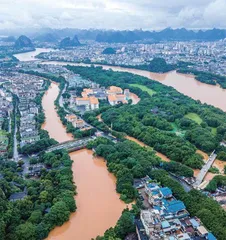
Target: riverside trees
(160, 120)
(123, 157)
(48, 203)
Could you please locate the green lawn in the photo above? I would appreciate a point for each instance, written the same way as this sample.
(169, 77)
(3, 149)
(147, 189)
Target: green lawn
(195, 117)
(177, 131)
(3, 138)
(144, 88)
(3, 133)
(214, 131)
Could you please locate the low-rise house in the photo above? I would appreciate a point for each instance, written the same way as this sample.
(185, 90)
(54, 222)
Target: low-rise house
(114, 90)
(79, 123)
(140, 230)
(29, 140)
(116, 99)
(94, 103)
(151, 220)
(71, 117)
(127, 94)
(18, 196)
(90, 103)
(86, 92)
(166, 217)
(202, 231)
(76, 122)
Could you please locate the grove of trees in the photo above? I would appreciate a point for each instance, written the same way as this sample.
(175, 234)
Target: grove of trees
(48, 203)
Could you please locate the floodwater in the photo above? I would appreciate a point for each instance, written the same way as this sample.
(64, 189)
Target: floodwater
(99, 206)
(30, 56)
(184, 83)
(53, 124)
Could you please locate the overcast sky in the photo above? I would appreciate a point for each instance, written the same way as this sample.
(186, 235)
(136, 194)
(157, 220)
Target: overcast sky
(113, 14)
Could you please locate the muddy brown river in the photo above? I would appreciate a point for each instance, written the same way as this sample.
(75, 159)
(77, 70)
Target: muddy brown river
(99, 206)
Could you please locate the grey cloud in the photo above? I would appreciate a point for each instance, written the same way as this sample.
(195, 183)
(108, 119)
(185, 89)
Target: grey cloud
(117, 14)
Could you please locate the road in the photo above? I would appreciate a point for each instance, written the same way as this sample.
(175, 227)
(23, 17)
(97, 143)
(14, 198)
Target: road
(61, 98)
(185, 185)
(205, 169)
(10, 121)
(15, 150)
(71, 144)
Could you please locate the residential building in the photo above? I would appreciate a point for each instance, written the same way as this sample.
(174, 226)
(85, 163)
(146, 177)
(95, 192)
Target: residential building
(166, 217)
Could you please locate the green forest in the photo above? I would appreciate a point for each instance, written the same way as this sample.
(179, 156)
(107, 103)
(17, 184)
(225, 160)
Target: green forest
(160, 120)
(48, 203)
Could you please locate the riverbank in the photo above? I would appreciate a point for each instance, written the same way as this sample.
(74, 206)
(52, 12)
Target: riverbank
(98, 204)
(31, 55)
(184, 83)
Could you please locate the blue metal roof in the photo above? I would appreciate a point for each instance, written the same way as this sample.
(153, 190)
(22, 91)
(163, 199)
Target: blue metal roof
(175, 206)
(165, 202)
(152, 186)
(157, 208)
(154, 192)
(194, 223)
(165, 191)
(210, 236)
(165, 224)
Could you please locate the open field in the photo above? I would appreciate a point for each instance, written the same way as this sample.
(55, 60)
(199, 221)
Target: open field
(144, 88)
(195, 117)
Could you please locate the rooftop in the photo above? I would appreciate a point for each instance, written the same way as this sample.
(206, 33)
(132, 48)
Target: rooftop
(175, 206)
(165, 191)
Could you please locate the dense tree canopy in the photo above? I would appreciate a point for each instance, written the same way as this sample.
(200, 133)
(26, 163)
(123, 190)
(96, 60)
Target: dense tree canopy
(206, 77)
(48, 203)
(160, 120)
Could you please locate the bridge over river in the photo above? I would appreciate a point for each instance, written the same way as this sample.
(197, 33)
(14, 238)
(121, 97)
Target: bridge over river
(205, 170)
(71, 145)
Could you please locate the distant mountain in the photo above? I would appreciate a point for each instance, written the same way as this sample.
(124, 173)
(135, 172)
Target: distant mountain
(110, 36)
(174, 34)
(211, 35)
(117, 37)
(8, 39)
(47, 37)
(68, 42)
(167, 34)
(23, 42)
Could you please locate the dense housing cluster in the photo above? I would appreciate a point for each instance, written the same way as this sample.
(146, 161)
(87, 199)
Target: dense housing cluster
(26, 88)
(202, 56)
(165, 217)
(6, 109)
